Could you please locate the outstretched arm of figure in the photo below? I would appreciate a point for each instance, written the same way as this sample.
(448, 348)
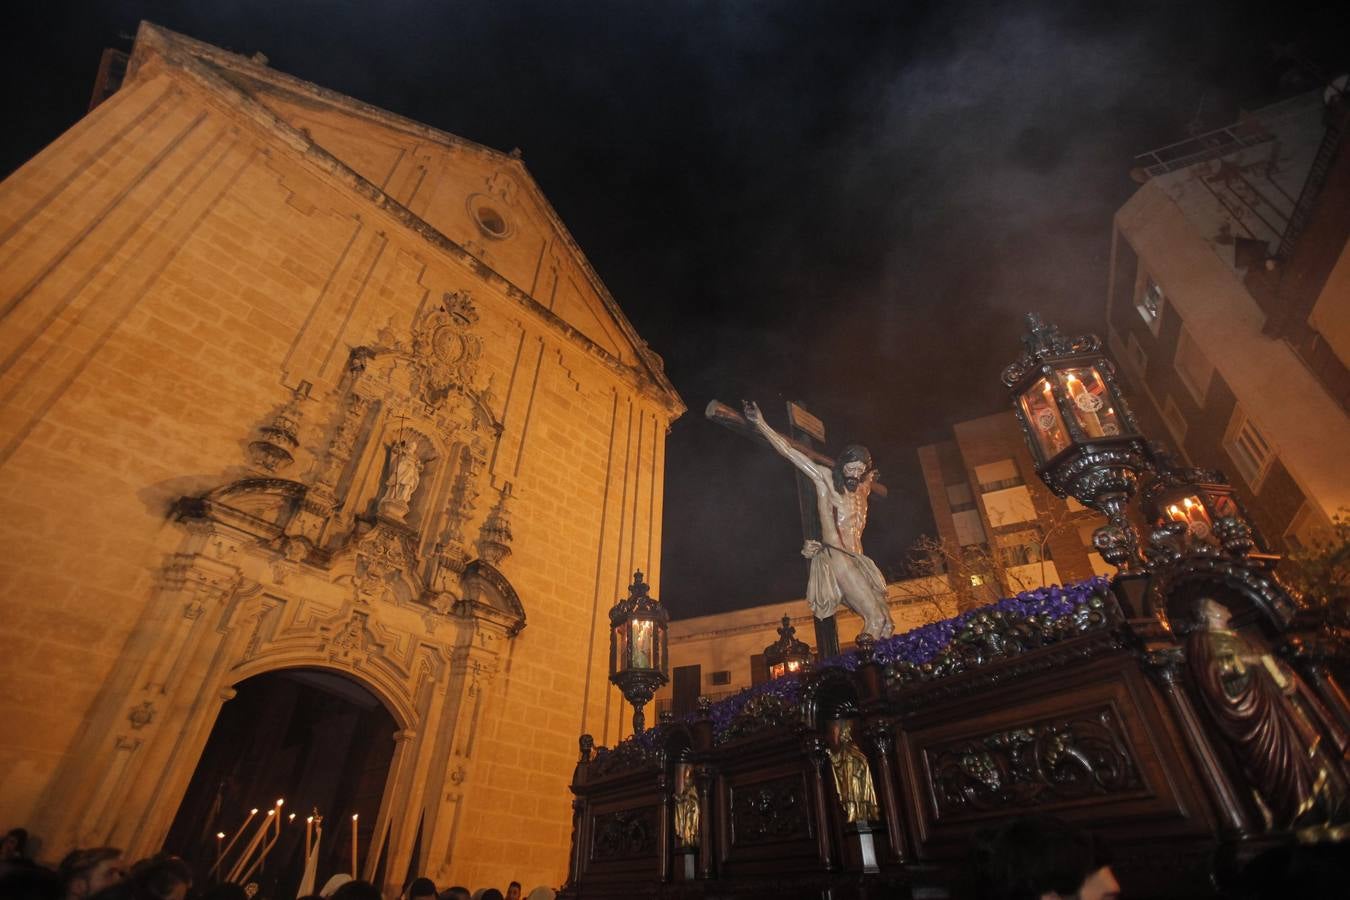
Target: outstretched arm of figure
(779, 443)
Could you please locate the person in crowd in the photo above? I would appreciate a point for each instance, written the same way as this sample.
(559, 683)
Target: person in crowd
(422, 889)
(86, 872)
(161, 877)
(1295, 870)
(357, 890)
(226, 890)
(1042, 858)
(14, 845)
(491, 894)
(14, 851)
(30, 882)
(513, 891)
(455, 893)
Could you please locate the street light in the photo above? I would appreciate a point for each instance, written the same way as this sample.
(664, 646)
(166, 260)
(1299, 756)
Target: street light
(637, 647)
(787, 655)
(1081, 432)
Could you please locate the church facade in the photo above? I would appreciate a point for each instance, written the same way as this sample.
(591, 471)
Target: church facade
(291, 383)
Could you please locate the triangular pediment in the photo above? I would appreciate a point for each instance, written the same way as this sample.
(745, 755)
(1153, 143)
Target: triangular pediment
(481, 202)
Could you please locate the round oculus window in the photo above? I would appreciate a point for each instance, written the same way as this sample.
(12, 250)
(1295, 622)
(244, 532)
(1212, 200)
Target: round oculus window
(488, 217)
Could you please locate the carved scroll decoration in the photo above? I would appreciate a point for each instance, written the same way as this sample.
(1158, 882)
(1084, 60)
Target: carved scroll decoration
(1034, 765)
(625, 834)
(769, 811)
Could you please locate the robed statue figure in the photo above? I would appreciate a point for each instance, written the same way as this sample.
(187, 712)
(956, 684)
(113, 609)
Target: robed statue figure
(852, 777)
(686, 810)
(1250, 697)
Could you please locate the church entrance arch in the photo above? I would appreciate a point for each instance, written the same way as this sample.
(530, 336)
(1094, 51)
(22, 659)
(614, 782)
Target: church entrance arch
(315, 737)
(362, 565)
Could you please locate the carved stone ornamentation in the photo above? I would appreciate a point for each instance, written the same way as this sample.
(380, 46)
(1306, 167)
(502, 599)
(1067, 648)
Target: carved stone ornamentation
(494, 538)
(768, 811)
(274, 450)
(141, 715)
(354, 407)
(1034, 765)
(625, 834)
(445, 350)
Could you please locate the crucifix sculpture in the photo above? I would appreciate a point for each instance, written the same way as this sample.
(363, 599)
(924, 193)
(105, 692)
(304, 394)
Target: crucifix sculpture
(834, 495)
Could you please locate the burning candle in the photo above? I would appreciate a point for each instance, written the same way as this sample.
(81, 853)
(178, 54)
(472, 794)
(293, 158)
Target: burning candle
(280, 802)
(239, 866)
(354, 872)
(220, 849)
(235, 839)
(309, 832)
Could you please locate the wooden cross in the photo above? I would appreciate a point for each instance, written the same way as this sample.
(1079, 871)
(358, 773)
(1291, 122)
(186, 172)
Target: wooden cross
(805, 433)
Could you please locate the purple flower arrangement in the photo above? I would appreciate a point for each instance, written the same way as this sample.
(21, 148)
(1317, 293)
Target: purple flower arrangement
(1005, 627)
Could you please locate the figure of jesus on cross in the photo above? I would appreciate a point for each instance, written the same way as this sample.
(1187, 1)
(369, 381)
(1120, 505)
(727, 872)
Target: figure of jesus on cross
(840, 572)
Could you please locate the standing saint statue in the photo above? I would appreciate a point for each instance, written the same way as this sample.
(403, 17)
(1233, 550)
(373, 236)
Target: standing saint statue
(839, 570)
(1249, 695)
(686, 810)
(852, 777)
(405, 469)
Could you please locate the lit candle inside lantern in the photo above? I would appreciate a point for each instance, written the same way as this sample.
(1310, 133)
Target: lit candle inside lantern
(354, 871)
(1086, 415)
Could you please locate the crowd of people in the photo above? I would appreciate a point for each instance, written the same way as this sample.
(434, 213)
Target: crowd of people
(1028, 858)
(102, 873)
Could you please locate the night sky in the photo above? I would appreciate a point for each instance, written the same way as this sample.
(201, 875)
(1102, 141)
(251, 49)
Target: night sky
(848, 204)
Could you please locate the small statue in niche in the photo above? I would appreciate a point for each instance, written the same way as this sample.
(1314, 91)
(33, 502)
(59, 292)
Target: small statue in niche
(852, 777)
(405, 470)
(1249, 697)
(686, 808)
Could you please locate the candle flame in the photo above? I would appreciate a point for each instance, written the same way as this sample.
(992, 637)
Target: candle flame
(291, 817)
(271, 812)
(309, 818)
(220, 835)
(354, 815)
(252, 812)
(281, 801)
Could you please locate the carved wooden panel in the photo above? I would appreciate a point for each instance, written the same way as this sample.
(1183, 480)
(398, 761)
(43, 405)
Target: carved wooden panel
(1033, 764)
(624, 834)
(770, 811)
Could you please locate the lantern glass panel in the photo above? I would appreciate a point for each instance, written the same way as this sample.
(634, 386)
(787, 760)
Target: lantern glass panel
(1092, 404)
(1043, 420)
(643, 642)
(621, 660)
(1191, 512)
(1223, 505)
(777, 670)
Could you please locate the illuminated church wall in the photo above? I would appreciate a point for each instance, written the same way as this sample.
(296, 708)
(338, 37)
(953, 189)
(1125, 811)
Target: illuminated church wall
(213, 243)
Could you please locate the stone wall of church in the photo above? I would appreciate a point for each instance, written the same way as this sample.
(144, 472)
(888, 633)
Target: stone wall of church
(171, 271)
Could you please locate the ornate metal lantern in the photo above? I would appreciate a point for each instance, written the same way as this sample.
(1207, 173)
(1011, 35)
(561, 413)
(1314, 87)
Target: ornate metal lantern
(637, 647)
(787, 655)
(1200, 499)
(1081, 432)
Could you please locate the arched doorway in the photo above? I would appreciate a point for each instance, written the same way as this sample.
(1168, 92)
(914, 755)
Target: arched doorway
(314, 737)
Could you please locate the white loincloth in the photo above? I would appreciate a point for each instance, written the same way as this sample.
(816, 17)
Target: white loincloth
(822, 587)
